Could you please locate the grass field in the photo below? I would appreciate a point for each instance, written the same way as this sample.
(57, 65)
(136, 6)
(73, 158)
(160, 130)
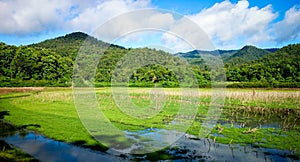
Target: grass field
(260, 117)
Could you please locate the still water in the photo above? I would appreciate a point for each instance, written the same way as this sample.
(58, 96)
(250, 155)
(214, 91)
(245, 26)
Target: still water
(49, 150)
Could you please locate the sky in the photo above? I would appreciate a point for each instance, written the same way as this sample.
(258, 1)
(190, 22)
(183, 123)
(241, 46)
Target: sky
(228, 24)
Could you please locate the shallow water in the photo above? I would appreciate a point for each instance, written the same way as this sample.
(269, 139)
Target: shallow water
(240, 118)
(46, 149)
(49, 150)
(206, 149)
(253, 124)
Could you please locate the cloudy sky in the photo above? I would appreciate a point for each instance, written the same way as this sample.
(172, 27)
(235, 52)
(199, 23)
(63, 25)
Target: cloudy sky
(228, 24)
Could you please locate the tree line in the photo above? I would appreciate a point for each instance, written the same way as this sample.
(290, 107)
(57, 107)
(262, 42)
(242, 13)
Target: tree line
(52, 62)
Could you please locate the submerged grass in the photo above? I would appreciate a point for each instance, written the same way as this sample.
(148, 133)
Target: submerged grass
(54, 111)
(7, 153)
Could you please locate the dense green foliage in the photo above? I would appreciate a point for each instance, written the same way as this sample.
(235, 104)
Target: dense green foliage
(281, 66)
(51, 63)
(26, 64)
(245, 55)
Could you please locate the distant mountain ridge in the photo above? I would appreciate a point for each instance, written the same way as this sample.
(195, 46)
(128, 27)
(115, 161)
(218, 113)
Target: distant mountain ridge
(70, 44)
(51, 62)
(233, 57)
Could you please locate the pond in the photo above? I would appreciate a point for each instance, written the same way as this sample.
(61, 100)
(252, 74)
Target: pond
(45, 149)
(286, 119)
(189, 147)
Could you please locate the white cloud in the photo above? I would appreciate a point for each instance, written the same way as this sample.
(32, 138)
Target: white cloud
(289, 28)
(175, 43)
(134, 22)
(93, 16)
(229, 23)
(186, 35)
(35, 16)
(178, 33)
(31, 16)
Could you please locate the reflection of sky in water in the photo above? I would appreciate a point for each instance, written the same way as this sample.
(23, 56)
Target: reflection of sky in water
(206, 149)
(152, 139)
(221, 152)
(46, 149)
(50, 150)
(253, 124)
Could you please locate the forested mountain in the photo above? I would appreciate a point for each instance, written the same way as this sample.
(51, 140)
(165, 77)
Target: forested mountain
(281, 66)
(244, 55)
(69, 44)
(229, 57)
(51, 62)
(26, 63)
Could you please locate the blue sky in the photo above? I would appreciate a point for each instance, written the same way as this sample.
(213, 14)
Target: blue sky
(229, 24)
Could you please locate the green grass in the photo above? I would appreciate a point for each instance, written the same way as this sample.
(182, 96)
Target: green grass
(7, 152)
(54, 111)
(12, 154)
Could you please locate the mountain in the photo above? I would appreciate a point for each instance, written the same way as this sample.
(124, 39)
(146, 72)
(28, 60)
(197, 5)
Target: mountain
(69, 44)
(271, 49)
(52, 63)
(229, 57)
(198, 53)
(280, 66)
(244, 55)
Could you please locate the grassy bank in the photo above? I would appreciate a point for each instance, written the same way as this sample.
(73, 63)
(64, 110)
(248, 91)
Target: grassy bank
(8, 152)
(51, 111)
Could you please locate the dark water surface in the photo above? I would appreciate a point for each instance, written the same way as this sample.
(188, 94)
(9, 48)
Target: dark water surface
(46, 149)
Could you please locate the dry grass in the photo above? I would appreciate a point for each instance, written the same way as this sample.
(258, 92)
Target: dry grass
(19, 89)
(280, 98)
(264, 98)
(65, 96)
(263, 95)
(289, 98)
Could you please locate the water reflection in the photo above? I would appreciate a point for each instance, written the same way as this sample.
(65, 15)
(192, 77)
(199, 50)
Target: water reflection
(205, 149)
(286, 119)
(186, 148)
(50, 150)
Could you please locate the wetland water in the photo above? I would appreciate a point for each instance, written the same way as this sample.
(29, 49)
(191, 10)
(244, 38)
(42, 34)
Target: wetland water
(46, 149)
(187, 147)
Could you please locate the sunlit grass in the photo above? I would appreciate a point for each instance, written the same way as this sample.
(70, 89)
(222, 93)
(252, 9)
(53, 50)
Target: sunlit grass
(54, 110)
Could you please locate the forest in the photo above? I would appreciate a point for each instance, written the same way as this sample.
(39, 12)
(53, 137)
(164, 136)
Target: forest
(51, 63)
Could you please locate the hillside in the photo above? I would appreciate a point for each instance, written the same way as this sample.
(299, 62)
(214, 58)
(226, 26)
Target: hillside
(32, 64)
(244, 55)
(281, 66)
(229, 57)
(69, 44)
(51, 63)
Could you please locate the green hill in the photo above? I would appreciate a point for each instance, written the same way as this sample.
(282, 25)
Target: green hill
(29, 64)
(281, 66)
(51, 63)
(69, 44)
(244, 55)
(229, 57)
